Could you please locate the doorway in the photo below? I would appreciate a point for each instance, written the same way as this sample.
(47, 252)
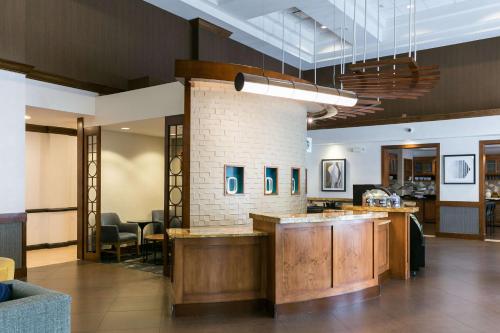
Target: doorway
(51, 181)
(489, 189)
(413, 172)
(122, 175)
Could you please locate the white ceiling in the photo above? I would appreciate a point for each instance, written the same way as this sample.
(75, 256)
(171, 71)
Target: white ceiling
(150, 127)
(47, 117)
(258, 24)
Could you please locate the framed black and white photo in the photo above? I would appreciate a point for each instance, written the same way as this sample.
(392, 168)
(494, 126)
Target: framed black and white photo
(459, 169)
(333, 175)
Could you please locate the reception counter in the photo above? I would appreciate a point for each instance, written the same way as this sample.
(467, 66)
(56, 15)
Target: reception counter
(320, 260)
(284, 264)
(222, 267)
(399, 235)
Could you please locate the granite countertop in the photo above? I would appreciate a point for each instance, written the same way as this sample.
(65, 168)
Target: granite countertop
(382, 209)
(334, 216)
(425, 197)
(208, 232)
(329, 199)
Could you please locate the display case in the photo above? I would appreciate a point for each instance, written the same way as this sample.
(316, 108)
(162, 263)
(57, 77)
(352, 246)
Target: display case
(234, 180)
(270, 180)
(295, 181)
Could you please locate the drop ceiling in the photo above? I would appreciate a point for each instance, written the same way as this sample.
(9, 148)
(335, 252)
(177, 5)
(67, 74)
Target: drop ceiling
(47, 117)
(150, 127)
(258, 24)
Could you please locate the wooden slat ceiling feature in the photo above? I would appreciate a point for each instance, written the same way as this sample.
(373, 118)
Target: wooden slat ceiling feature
(389, 79)
(374, 81)
(399, 78)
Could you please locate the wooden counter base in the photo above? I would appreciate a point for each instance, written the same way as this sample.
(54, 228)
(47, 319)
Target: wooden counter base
(284, 266)
(218, 269)
(315, 261)
(399, 244)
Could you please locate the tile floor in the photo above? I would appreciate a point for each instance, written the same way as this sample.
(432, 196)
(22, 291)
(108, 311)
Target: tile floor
(459, 291)
(44, 257)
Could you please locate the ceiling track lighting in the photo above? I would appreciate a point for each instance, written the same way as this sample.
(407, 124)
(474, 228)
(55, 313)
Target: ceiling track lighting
(299, 91)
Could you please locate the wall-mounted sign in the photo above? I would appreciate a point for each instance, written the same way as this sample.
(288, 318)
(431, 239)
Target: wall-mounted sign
(309, 145)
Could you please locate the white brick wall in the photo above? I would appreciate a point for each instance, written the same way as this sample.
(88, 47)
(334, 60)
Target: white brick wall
(229, 127)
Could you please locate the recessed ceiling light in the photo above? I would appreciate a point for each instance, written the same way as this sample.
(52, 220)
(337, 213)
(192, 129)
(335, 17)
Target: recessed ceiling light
(323, 27)
(409, 6)
(125, 128)
(27, 117)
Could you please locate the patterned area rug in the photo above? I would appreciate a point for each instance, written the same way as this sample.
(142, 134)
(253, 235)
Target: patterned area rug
(131, 261)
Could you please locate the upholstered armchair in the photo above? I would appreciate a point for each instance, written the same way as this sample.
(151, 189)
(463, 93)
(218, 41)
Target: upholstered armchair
(174, 222)
(116, 233)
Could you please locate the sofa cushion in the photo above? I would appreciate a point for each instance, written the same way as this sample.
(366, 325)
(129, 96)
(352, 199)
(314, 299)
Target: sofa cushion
(125, 236)
(5, 292)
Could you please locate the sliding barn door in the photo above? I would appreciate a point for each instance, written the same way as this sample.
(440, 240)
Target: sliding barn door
(89, 193)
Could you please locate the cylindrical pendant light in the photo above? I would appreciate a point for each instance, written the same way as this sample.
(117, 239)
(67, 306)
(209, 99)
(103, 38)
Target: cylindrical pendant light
(268, 86)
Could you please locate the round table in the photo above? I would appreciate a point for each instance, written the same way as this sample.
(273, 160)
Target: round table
(142, 224)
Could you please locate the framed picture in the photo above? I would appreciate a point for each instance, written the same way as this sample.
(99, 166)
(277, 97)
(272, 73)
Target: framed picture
(459, 169)
(333, 175)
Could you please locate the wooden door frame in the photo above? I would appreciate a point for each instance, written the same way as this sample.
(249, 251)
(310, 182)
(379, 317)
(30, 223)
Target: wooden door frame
(81, 192)
(482, 176)
(437, 146)
(79, 188)
(170, 121)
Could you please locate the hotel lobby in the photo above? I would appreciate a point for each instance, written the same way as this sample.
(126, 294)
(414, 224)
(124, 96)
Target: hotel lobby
(223, 166)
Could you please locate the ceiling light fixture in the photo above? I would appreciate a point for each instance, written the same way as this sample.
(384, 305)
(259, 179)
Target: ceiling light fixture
(27, 117)
(125, 128)
(323, 27)
(268, 86)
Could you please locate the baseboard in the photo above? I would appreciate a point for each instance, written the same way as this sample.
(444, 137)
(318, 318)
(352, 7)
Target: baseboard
(226, 308)
(50, 245)
(385, 276)
(325, 304)
(459, 236)
(264, 306)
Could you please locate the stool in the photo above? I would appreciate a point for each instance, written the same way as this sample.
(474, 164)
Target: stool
(154, 239)
(7, 267)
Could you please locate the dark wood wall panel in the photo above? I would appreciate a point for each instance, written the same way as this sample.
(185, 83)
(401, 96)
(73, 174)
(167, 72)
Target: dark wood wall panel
(213, 47)
(106, 42)
(12, 30)
(468, 83)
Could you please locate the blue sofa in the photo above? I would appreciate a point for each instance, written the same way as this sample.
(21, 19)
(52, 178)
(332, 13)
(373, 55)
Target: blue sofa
(35, 309)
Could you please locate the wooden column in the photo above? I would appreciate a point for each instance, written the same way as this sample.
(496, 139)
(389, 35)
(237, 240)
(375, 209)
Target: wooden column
(79, 187)
(186, 161)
